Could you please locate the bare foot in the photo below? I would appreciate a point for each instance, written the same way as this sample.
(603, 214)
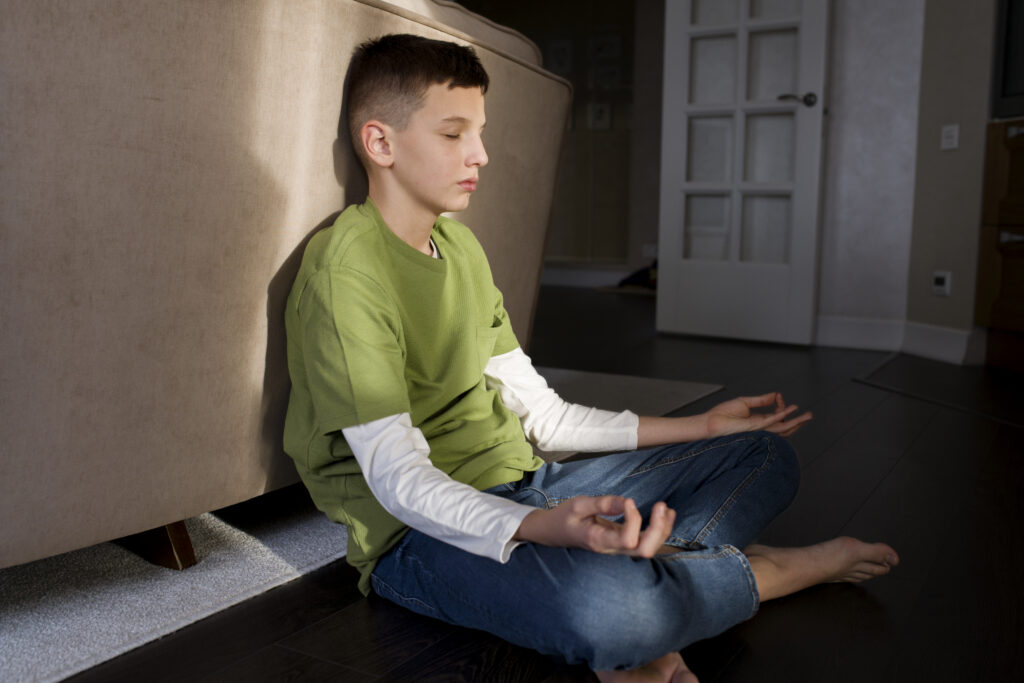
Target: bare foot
(781, 571)
(668, 669)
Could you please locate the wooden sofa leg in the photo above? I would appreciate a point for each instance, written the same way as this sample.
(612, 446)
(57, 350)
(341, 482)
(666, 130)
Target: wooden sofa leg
(167, 546)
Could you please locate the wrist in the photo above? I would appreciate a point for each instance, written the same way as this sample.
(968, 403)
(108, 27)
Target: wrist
(705, 422)
(529, 528)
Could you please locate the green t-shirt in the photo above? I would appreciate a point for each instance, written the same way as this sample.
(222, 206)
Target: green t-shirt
(376, 328)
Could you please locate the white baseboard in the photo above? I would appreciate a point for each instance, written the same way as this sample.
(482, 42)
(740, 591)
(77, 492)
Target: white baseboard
(962, 347)
(947, 344)
(872, 334)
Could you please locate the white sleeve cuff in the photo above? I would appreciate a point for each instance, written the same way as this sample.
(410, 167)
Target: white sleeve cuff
(550, 422)
(394, 458)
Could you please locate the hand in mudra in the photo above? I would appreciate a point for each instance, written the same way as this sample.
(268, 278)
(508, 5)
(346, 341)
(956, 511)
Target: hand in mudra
(581, 522)
(750, 413)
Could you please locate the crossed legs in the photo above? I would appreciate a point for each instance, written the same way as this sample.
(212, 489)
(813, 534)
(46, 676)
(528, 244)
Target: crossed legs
(618, 614)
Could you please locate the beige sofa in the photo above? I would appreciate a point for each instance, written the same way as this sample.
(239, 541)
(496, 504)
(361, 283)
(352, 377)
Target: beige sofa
(162, 163)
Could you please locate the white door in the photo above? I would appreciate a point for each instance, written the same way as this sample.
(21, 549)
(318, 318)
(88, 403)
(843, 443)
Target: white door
(741, 154)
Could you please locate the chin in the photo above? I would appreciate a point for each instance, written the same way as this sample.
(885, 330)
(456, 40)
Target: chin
(458, 205)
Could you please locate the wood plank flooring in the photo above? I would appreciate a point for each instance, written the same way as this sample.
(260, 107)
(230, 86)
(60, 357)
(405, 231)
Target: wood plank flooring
(941, 484)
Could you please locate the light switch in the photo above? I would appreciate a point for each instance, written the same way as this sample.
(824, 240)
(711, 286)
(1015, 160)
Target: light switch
(950, 138)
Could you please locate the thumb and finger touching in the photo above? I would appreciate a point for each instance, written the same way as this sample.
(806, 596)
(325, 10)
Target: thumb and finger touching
(587, 515)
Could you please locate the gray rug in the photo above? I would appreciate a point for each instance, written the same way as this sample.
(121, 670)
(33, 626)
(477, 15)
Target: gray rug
(64, 614)
(642, 395)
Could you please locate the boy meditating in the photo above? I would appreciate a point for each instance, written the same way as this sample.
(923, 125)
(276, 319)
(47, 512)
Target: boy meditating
(412, 406)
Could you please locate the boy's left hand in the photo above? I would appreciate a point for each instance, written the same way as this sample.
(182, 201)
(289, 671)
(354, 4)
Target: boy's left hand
(742, 415)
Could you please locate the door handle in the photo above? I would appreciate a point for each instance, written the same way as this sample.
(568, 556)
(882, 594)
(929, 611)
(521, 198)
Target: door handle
(809, 99)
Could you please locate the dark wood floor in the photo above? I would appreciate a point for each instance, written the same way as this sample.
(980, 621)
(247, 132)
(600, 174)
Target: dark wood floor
(942, 485)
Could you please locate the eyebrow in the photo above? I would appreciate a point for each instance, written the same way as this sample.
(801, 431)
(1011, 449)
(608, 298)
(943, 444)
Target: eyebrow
(458, 119)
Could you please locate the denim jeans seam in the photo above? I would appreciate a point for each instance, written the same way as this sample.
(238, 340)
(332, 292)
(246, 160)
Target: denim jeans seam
(743, 485)
(755, 594)
(726, 551)
(397, 597)
(682, 543)
(686, 456)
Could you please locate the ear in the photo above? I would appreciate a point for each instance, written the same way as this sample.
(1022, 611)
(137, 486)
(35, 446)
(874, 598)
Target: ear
(375, 138)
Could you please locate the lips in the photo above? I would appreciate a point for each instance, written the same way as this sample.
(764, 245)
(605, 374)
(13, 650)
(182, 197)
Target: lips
(468, 185)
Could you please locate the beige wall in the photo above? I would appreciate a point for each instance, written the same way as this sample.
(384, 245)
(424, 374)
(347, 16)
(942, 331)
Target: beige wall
(955, 75)
(870, 152)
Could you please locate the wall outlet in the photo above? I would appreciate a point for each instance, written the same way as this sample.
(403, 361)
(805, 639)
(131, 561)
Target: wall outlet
(942, 282)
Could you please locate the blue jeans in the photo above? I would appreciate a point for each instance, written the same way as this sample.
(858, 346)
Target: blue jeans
(613, 611)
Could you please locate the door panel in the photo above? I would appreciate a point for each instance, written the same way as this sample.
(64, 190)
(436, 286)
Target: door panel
(740, 167)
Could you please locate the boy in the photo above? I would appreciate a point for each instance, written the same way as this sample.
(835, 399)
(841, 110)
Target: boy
(411, 403)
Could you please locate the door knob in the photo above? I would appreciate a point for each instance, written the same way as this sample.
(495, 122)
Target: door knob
(809, 100)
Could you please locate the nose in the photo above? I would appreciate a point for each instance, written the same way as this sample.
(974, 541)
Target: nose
(477, 154)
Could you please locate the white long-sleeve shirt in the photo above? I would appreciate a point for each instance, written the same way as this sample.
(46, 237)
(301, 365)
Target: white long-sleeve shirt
(395, 459)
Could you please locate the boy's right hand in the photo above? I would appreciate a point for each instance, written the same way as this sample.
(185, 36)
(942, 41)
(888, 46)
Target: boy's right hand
(580, 523)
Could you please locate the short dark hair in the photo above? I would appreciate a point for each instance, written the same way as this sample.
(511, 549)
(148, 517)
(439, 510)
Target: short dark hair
(389, 76)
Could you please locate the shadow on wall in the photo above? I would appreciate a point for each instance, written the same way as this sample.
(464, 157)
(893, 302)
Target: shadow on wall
(351, 179)
(276, 384)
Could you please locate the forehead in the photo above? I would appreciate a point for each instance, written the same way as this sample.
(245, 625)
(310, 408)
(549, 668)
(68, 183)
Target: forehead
(441, 104)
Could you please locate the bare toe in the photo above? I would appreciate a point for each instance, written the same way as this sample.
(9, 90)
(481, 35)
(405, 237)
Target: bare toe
(860, 561)
(665, 669)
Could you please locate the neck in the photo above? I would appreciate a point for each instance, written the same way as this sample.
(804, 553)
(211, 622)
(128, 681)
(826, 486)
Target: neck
(412, 225)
